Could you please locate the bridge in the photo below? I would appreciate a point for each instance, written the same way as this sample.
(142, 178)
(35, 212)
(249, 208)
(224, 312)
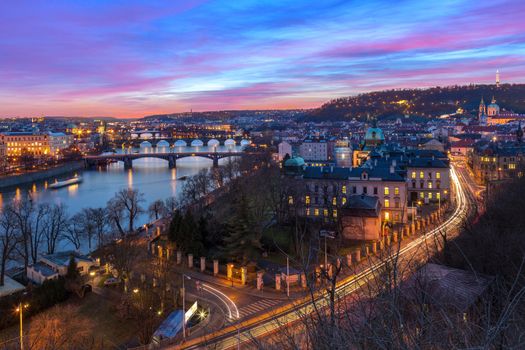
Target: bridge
(171, 157)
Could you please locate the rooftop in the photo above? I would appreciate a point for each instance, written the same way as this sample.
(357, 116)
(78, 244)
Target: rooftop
(62, 258)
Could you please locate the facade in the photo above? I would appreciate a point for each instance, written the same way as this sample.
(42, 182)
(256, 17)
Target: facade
(343, 154)
(59, 141)
(284, 148)
(361, 218)
(51, 266)
(18, 143)
(314, 149)
(3, 156)
(497, 161)
(428, 180)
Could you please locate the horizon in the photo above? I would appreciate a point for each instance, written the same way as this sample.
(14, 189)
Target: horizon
(133, 60)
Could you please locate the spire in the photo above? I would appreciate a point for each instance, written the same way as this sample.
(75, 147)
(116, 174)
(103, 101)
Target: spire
(497, 78)
(493, 99)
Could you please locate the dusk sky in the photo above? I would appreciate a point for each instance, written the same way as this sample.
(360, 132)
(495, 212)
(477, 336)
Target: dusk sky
(133, 58)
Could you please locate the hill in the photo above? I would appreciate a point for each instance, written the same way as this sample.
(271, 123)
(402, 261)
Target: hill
(421, 102)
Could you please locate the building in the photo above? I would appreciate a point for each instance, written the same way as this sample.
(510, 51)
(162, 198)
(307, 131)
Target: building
(59, 141)
(361, 218)
(19, 143)
(284, 148)
(50, 266)
(492, 108)
(492, 161)
(3, 156)
(343, 153)
(428, 180)
(314, 149)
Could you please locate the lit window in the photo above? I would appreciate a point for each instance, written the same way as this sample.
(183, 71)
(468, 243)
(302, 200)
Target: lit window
(387, 191)
(429, 184)
(422, 194)
(344, 189)
(438, 175)
(334, 201)
(307, 200)
(429, 195)
(438, 195)
(316, 212)
(512, 166)
(344, 200)
(325, 212)
(387, 216)
(421, 175)
(387, 203)
(290, 200)
(307, 211)
(413, 174)
(334, 213)
(396, 191)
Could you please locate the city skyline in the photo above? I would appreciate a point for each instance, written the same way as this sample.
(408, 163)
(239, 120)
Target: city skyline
(140, 58)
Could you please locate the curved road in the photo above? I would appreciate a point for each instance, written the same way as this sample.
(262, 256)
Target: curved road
(259, 326)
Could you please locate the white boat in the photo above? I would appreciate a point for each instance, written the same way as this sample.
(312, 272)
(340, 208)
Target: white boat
(72, 181)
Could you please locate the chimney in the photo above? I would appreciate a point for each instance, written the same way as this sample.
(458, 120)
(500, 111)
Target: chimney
(392, 169)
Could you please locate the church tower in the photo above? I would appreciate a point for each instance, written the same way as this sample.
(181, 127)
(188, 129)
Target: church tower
(482, 108)
(497, 78)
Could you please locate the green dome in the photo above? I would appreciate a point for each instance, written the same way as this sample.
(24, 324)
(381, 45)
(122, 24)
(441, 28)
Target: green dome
(374, 134)
(294, 162)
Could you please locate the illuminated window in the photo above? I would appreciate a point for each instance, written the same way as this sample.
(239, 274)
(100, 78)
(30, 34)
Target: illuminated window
(387, 216)
(325, 212)
(422, 194)
(413, 174)
(344, 189)
(316, 212)
(343, 200)
(334, 201)
(438, 195)
(429, 184)
(307, 211)
(387, 203)
(307, 200)
(334, 213)
(512, 166)
(429, 195)
(396, 191)
(438, 175)
(290, 200)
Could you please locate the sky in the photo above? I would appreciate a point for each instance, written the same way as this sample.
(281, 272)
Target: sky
(135, 58)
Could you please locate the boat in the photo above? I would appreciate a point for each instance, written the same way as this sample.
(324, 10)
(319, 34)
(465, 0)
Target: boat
(183, 178)
(60, 184)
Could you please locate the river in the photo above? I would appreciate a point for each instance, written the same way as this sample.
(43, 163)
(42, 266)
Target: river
(151, 176)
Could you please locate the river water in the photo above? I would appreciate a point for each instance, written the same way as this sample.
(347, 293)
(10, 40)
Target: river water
(151, 176)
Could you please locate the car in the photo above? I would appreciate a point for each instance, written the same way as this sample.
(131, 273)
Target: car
(111, 282)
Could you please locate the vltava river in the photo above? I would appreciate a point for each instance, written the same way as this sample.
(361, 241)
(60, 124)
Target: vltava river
(150, 176)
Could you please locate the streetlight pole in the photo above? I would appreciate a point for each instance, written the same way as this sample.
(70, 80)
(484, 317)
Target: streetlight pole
(184, 306)
(21, 311)
(288, 275)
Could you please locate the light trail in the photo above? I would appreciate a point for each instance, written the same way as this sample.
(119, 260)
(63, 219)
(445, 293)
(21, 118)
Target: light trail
(224, 298)
(259, 326)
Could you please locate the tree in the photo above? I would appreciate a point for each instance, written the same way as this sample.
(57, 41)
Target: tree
(115, 216)
(129, 201)
(8, 239)
(171, 204)
(72, 269)
(75, 231)
(243, 242)
(157, 209)
(55, 226)
(62, 328)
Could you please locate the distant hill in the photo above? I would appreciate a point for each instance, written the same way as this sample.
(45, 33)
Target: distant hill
(421, 102)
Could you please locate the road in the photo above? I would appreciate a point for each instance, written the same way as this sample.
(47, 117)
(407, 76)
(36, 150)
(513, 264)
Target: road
(235, 335)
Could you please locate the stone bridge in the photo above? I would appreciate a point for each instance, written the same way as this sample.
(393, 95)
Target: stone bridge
(171, 157)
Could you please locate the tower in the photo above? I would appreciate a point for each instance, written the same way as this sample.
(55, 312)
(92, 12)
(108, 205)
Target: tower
(497, 78)
(482, 108)
(519, 133)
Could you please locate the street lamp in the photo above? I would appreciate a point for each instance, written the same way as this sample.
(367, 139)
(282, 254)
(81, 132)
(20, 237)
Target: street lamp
(20, 310)
(184, 276)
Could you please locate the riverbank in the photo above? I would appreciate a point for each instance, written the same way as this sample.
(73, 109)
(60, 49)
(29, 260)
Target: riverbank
(41, 175)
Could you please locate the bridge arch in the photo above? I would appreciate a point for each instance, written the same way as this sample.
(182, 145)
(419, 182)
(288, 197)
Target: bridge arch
(213, 143)
(245, 142)
(163, 143)
(180, 143)
(197, 143)
(145, 144)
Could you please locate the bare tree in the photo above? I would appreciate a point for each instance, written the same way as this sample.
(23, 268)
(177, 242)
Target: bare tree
(8, 239)
(157, 209)
(75, 231)
(99, 220)
(171, 204)
(55, 226)
(115, 216)
(129, 200)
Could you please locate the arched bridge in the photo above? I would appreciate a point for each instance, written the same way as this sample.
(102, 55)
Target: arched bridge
(171, 157)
